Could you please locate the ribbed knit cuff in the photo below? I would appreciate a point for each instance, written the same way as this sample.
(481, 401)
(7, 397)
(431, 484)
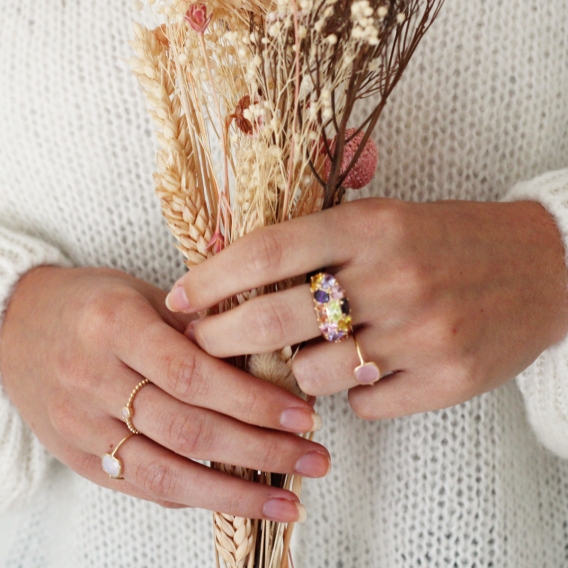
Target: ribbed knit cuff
(23, 460)
(544, 384)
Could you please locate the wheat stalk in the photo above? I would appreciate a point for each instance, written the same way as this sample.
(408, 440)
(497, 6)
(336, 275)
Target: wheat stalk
(176, 180)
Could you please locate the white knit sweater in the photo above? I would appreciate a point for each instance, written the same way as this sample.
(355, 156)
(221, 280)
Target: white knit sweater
(483, 106)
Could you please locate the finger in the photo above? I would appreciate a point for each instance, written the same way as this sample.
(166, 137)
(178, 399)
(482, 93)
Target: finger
(406, 393)
(167, 477)
(89, 465)
(261, 325)
(323, 368)
(175, 364)
(203, 434)
(268, 255)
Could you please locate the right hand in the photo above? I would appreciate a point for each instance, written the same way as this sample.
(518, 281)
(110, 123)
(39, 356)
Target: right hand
(74, 344)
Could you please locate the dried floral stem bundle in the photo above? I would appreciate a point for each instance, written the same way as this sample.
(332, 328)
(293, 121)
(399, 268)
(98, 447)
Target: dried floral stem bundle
(253, 104)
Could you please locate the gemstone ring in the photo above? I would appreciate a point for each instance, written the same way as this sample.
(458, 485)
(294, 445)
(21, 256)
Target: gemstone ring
(331, 306)
(367, 372)
(111, 464)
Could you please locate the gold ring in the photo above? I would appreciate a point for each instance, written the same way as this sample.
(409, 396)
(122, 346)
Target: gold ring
(368, 372)
(127, 412)
(111, 464)
(331, 306)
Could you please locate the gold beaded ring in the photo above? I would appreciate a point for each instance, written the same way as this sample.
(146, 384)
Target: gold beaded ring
(127, 412)
(331, 306)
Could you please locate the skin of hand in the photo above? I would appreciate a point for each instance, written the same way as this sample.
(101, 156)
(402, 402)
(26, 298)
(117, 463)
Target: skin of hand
(74, 344)
(451, 299)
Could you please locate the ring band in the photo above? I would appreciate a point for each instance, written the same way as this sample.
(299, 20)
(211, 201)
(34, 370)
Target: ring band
(127, 412)
(367, 372)
(331, 306)
(111, 464)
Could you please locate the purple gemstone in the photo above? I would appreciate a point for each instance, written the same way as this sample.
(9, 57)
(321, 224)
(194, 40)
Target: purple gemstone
(321, 296)
(327, 282)
(332, 333)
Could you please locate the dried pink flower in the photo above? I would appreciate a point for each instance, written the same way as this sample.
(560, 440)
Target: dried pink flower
(364, 169)
(217, 242)
(197, 17)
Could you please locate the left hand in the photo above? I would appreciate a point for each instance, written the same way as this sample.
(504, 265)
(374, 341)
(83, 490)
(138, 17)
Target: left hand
(450, 299)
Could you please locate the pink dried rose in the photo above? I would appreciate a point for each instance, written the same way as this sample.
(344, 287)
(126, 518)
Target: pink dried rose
(364, 169)
(197, 17)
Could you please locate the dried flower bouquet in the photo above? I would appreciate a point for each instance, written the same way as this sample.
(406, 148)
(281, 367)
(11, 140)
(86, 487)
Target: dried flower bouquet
(253, 104)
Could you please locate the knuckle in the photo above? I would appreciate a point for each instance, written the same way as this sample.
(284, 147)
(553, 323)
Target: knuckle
(416, 284)
(269, 321)
(183, 374)
(309, 375)
(235, 504)
(156, 478)
(189, 435)
(363, 408)
(83, 464)
(101, 315)
(265, 253)
(63, 419)
(269, 456)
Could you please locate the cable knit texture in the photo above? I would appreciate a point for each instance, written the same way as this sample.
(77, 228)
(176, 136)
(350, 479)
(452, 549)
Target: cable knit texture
(482, 107)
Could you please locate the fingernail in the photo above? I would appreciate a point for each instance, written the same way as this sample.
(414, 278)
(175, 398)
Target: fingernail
(176, 300)
(313, 464)
(284, 511)
(300, 420)
(190, 331)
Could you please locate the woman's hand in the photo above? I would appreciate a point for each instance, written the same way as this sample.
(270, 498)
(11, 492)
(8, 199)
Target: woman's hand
(74, 344)
(450, 299)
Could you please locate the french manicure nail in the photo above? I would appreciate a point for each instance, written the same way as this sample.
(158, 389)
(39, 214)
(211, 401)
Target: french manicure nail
(313, 464)
(284, 511)
(300, 420)
(176, 300)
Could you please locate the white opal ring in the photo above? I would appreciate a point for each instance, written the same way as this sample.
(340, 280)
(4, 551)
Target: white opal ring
(111, 464)
(367, 372)
(127, 411)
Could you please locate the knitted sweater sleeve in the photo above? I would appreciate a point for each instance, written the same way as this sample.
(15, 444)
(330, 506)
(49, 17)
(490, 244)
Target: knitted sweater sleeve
(23, 460)
(544, 384)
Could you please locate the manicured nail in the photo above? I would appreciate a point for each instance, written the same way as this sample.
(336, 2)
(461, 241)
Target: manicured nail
(176, 300)
(190, 331)
(313, 464)
(300, 420)
(284, 511)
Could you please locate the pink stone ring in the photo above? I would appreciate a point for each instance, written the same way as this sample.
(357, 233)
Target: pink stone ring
(367, 373)
(111, 464)
(332, 307)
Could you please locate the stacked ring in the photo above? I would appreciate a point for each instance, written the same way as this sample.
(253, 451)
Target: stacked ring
(331, 306)
(367, 372)
(127, 412)
(111, 464)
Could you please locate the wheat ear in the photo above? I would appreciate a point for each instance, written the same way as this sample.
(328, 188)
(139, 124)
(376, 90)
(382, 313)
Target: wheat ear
(183, 207)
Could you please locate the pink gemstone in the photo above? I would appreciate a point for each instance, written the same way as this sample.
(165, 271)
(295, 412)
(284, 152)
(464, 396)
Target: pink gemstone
(367, 374)
(336, 292)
